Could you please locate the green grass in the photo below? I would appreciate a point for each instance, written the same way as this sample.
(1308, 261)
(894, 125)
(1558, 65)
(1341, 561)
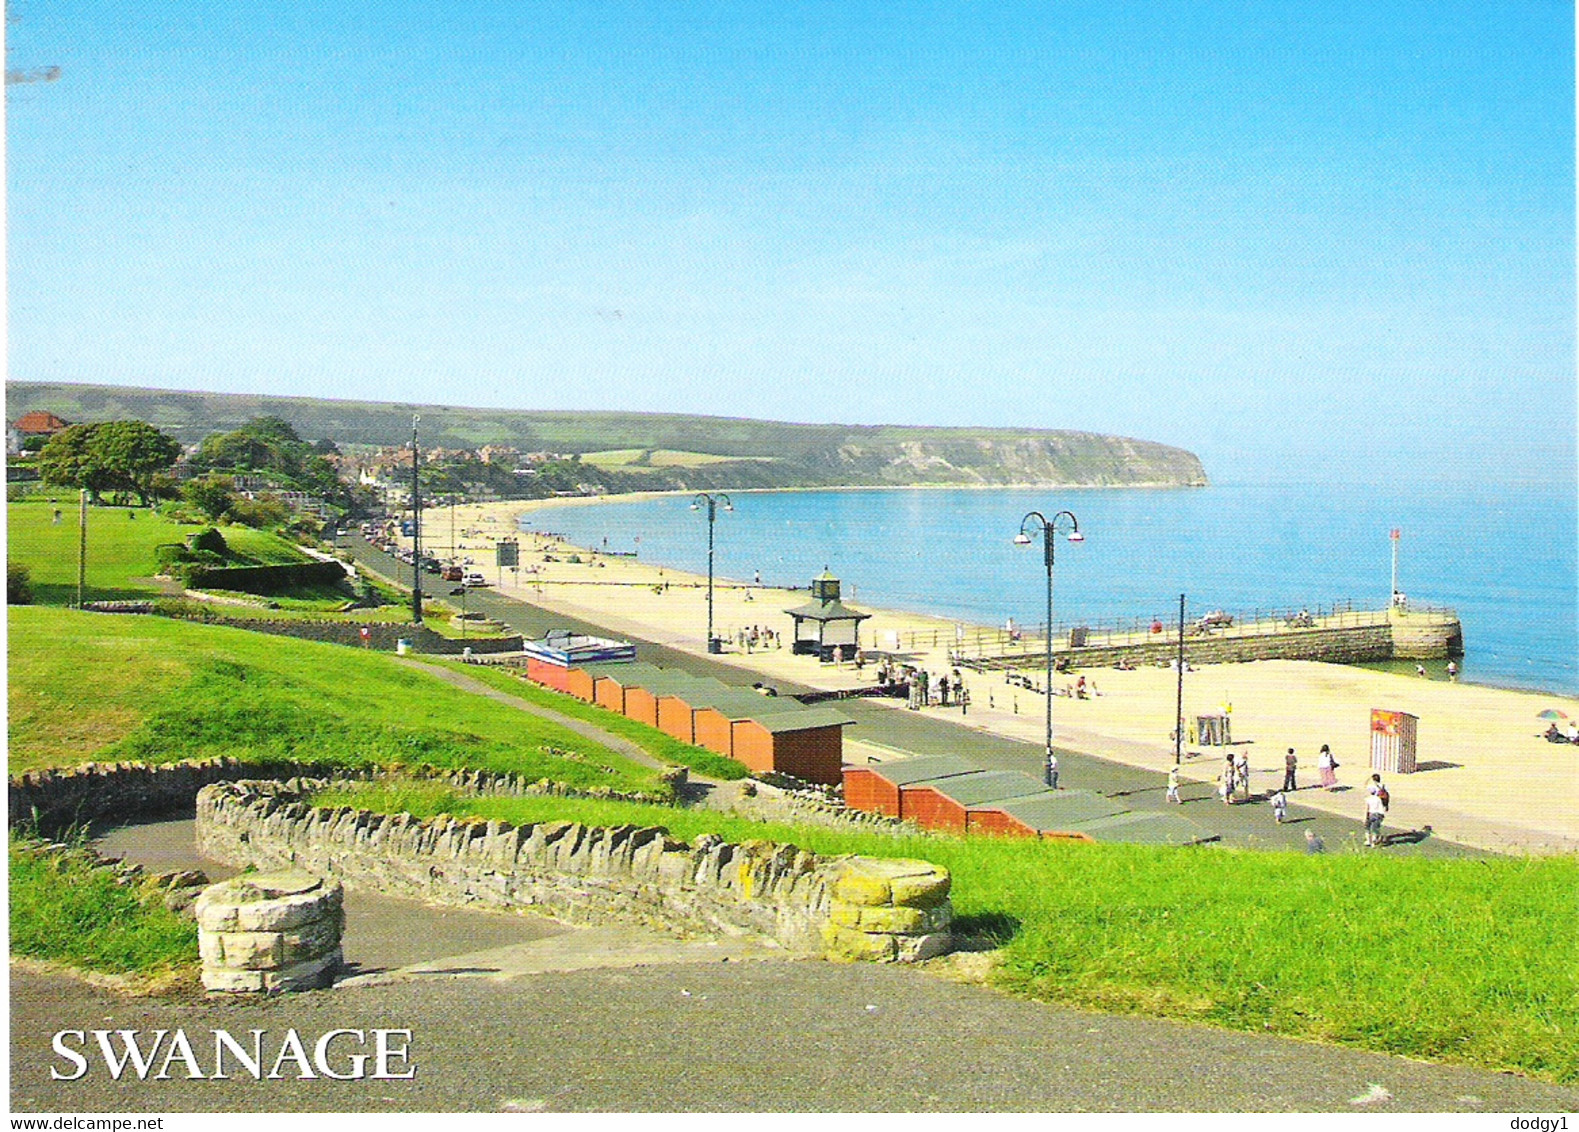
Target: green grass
(159, 691)
(64, 911)
(122, 549)
(661, 746)
(1467, 961)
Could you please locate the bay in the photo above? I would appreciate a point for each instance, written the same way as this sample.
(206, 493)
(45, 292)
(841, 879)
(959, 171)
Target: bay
(1503, 557)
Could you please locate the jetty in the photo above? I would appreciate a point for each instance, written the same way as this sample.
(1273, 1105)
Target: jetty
(1338, 634)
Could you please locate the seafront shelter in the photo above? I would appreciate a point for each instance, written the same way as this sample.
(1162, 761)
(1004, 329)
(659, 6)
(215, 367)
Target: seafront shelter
(875, 788)
(825, 624)
(944, 803)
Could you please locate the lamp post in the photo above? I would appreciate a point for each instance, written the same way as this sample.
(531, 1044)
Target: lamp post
(1035, 520)
(416, 530)
(460, 592)
(712, 501)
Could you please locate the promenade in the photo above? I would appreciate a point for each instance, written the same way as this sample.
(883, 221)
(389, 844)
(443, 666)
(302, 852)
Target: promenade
(1487, 779)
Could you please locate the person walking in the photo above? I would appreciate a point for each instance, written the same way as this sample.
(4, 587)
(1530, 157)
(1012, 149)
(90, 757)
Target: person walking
(1280, 807)
(1242, 768)
(1327, 765)
(1051, 772)
(1290, 765)
(1173, 785)
(1225, 787)
(1375, 811)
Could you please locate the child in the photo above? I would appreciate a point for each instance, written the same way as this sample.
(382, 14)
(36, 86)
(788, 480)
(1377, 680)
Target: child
(1173, 785)
(1280, 807)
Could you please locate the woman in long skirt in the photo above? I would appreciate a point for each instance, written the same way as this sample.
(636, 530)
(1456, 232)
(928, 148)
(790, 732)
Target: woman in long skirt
(1327, 765)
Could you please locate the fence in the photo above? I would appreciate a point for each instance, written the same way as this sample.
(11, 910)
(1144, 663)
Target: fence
(982, 644)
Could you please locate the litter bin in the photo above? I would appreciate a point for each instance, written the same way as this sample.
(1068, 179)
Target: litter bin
(1078, 636)
(403, 646)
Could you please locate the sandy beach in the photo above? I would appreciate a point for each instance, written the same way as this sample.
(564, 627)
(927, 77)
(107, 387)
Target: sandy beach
(1486, 779)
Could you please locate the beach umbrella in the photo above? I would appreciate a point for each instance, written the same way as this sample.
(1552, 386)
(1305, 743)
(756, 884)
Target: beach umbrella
(1552, 713)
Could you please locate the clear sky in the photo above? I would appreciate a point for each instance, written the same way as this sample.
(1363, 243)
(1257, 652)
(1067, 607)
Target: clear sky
(1300, 239)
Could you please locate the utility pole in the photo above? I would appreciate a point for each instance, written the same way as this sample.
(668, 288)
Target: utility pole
(416, 530)
(82, 544)
(1178, 730)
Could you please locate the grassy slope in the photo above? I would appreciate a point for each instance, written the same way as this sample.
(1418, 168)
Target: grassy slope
(121, 549)
(87, 686)
(1469, 961)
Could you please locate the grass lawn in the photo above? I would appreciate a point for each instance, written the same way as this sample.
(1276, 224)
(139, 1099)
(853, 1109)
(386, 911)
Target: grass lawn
(656, 743)
(1468, 961)
(104, 687)
(122, 544)
(62, 910)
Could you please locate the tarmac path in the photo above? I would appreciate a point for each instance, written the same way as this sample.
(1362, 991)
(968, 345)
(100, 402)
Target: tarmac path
(802, 1036)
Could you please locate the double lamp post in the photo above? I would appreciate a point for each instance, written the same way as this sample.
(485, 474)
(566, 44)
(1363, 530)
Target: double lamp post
(1034, 521)
(714, 645)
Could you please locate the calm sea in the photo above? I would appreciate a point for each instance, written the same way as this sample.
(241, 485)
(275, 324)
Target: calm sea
(1502, 557)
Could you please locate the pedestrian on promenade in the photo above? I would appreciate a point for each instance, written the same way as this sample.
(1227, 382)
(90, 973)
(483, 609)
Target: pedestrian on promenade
(1452, 671)
(1327, 765)
(1225, 786)
(1314, 843)
(964, 700)
(1290, 765)
(1051, 771)
(1375, 811)
(1280, 807)
(1242, 766)
(1173, 785)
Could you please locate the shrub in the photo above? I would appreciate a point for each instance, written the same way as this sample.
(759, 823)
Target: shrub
(18, 587)
(260, 513)
(210, 540)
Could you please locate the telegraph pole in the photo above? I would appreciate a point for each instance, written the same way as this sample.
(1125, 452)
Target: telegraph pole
(416, 530)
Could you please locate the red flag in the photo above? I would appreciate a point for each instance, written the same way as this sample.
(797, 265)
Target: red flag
(1395, 534)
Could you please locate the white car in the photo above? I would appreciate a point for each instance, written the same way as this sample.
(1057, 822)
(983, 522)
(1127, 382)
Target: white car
(476, 579)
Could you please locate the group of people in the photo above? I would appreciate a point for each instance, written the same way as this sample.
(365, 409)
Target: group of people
(757, 636)
(1569, 734)
(922, 689)
(1233, 785)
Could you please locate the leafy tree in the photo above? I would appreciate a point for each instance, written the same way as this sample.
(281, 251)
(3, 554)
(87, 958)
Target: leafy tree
(108, 456)
(264, 512)
(69, 460)
(133, 453)
(211, 495)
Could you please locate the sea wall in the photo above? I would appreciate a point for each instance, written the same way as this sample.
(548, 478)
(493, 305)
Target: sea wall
(853, 908)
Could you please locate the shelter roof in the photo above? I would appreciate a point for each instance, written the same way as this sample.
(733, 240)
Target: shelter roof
(834, 610)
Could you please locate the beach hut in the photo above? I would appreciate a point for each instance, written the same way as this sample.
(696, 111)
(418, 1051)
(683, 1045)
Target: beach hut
(1051, 813)
(875, 787)
(825, 623)
(713, 724)
(807, 743)
(678, 702)
(611, 684)
(944, 803)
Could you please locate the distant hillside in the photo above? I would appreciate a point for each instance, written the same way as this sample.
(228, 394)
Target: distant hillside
(746, 453)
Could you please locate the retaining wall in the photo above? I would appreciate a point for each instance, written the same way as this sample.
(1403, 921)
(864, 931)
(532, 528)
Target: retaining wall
(114, 792)
(855, 908)
(381, 635)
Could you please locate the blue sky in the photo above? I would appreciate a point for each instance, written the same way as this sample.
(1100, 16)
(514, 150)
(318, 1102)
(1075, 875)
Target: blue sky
(1315, 239)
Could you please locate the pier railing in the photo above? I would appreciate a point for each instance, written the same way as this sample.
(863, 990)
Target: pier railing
(981, 644)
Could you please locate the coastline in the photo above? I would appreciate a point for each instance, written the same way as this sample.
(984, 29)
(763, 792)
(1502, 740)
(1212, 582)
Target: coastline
(1487, 779)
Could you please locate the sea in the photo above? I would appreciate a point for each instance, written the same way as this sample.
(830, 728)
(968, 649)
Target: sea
(1502, 557)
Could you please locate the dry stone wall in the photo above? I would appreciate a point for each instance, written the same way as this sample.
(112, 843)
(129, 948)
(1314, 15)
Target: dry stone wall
(851, 908)
(270, 932)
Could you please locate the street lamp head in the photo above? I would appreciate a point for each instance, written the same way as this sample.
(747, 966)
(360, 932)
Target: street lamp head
(1022, 539)
(728, 506)
(696, 507)
(1076, 536)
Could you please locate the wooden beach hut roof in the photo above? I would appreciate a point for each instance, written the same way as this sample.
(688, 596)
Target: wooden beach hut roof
(983, 786)
(1059, 810)
(903, 772)
(807, 718)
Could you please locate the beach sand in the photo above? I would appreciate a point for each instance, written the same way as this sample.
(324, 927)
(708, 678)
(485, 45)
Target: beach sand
(1487, 778)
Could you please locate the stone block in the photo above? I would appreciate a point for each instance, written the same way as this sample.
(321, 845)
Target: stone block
(850, 946)
(251, 951)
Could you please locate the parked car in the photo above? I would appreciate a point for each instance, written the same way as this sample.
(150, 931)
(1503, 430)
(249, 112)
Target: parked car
(454, 574)
(476, 579)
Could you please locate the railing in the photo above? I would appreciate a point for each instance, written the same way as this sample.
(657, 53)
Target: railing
(981, 643)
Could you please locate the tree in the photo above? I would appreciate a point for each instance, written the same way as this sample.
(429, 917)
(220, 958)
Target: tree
(132, 453)
(211, 495)
(108, 456)
(69, 460)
